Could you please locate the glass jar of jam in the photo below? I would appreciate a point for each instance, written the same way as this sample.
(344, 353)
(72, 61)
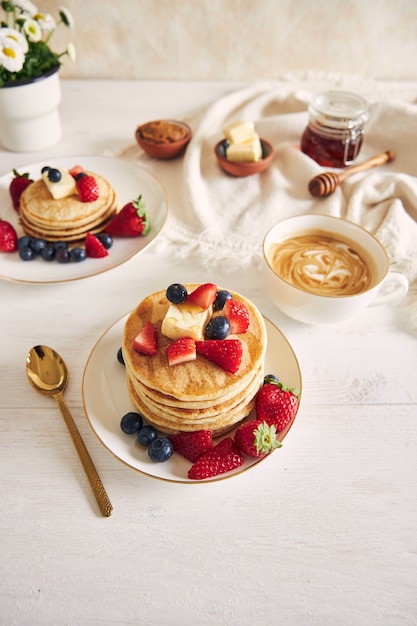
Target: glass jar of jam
(334, 134)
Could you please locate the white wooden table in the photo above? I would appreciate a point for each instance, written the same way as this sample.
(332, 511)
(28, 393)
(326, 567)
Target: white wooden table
(322, 532)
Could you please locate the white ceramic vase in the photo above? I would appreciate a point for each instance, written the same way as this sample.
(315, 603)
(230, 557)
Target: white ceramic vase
(29, 114)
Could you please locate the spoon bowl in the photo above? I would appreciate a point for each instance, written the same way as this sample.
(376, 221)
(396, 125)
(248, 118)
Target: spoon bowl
(46, 371)
(48, 375)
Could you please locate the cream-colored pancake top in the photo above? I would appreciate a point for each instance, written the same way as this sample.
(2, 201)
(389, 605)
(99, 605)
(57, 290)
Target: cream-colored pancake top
(195, 380)
(40, 207)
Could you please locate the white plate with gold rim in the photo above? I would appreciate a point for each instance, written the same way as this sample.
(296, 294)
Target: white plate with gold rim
(128, 179)
(106, 400)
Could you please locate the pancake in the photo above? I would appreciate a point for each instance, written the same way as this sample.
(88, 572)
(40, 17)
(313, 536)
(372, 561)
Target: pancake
(197, 394)
(68, 218)
(218, 424)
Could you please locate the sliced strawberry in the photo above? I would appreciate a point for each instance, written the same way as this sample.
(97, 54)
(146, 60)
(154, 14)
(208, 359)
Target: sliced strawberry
(131, 221)
(17, 186)
(181, 351)
(87, 187)
(226, 353)
(77, 169)
(192, 445)
(256, 438)
(8, 237)
(224, 457)
(94, 248)
(238, 315)
(203, 296)
(146, 341)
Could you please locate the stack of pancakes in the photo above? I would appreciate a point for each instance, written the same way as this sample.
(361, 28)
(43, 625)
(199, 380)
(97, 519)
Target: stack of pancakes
(66, 219)
(197, 395)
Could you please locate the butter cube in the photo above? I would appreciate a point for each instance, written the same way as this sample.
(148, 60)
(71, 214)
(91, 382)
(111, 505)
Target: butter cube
(62, 188)
(239, 132)
(247, 152)
(183, 320)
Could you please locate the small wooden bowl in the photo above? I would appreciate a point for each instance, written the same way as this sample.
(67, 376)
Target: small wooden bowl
(244, 169)
(168, 149)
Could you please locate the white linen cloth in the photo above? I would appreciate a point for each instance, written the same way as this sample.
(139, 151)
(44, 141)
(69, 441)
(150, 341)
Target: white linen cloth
(220, 219)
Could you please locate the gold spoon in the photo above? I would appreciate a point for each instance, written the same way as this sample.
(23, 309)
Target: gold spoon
(48, 375)
(324, 184)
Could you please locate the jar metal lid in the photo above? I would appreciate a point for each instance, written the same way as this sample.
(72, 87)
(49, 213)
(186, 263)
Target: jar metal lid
(339, 109)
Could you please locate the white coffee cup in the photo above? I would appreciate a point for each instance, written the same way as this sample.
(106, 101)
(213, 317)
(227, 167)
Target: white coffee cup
(314, 308)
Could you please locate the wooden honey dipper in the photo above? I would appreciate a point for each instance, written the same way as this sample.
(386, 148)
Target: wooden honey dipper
(324, 184)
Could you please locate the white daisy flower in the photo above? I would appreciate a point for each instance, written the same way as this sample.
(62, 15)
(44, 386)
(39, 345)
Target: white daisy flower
(12, 56)
(45, 21)
(66, 17)
(26, 6)
(32, 30)
(17, 36)
(71, 52)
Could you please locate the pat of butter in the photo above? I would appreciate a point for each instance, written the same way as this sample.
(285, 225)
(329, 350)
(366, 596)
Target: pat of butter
(63, 188)
(238, 132)
(184, 321)
(249, 151)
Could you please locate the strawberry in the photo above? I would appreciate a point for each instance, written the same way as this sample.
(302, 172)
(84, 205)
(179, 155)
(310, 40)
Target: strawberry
(8, 237)
(87, 187)
(17, 186)
(276, 404)
(181, 351)
(192, 445)
(94, 248)
(256, 438)
(238, 315)
(131, 221)
(146, 341)
(77, 169)
(226, 353)
(203, 296)
(224, 457)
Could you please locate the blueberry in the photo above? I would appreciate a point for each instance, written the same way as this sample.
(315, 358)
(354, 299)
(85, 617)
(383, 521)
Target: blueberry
(37, 244)
(45, 168)
(270, 378)
(146, 435)
(54, 175)
(120, 356)
(26, 254)
(60, 244)
(131, 422)
(78, 254)
(221, 297)
(160, 449)
(176, 293)
(106, 240)
(218, 328)
(48, 253)
(23, 242)
(80, 175)
(62, 255)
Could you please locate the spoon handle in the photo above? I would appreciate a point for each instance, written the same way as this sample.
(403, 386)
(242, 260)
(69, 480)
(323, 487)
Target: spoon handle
(97, 486)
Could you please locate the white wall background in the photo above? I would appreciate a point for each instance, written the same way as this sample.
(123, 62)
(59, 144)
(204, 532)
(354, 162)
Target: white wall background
(238, 39)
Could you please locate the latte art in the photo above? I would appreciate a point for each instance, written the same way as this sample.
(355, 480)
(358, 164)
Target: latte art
(322, 265)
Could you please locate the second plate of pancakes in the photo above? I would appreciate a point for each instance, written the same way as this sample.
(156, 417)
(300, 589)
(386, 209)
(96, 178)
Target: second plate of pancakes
(128, 181)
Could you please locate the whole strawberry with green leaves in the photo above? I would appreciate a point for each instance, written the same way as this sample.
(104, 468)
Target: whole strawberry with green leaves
(131, 221)
(276, 403)
(257, 438)
(17, 186)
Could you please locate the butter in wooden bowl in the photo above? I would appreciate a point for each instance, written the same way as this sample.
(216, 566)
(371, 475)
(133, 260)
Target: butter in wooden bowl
(243, 152)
